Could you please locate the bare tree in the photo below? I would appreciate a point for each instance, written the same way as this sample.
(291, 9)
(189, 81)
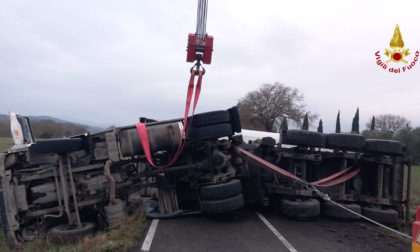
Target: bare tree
(264, 108)
(389, 122)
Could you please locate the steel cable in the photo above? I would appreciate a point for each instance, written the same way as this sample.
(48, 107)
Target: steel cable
(327, 198)
(201, 19)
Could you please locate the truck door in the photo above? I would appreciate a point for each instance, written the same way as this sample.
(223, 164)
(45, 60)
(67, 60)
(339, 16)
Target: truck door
(21, 129)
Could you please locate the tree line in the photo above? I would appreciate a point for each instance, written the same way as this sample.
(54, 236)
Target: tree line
(389, 127)
(45, 129)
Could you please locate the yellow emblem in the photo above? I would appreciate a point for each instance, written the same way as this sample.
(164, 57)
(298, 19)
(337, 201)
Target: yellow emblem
(397, 44)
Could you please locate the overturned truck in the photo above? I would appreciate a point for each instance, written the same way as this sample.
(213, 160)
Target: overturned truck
(365, 176)
(64, 188)
(68, 187)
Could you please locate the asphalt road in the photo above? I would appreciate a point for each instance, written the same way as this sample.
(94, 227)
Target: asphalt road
(245, 230)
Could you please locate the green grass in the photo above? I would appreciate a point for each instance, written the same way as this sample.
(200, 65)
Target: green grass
(3, 245)
(415, 187)
(414, 195)
(120, 238)
(5, 143)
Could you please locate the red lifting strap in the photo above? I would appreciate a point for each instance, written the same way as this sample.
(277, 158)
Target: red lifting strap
(255, 160)
(328, 181)
(337, 181)
(142, 130)
(324, 180)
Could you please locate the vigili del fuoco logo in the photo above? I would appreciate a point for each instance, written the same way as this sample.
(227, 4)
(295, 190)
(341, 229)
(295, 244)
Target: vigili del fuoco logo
(397, 55)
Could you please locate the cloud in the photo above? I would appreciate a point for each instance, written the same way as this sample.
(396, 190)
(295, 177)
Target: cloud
(109, 63)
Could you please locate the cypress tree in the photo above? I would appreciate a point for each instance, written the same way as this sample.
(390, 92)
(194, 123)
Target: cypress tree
(337, 124)
(305, 125)
(320, 127)
(283, 125)
(372, 124)
(355, 123)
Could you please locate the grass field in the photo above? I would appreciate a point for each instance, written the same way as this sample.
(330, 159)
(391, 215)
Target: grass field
(120, 238)
(415, 188)
(5, 143)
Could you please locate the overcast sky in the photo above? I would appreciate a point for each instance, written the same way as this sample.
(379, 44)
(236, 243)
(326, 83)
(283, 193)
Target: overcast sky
(109, 62)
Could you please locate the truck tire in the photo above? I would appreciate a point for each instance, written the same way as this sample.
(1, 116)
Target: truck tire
(210, 118)
(383, 146)
(268, 141)
(30, 233)
(387, 217)
(303, 137)
(212, 131)
(221, 191)
(345, 141)
(223, 205)
(301, 209)
(332, 210)
(69, 233)
(235, 120)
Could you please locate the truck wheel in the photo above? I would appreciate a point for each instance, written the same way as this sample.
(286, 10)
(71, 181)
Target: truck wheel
(30, 233)
(345, 141)
(212, 131)
(383, 146)
(210, 118)
(223, 205)
(301, 209)
(387, 217)
(235, 120)
(221, 191)
(268, 141)
(66, 233)
(303, 137)
(332, 210)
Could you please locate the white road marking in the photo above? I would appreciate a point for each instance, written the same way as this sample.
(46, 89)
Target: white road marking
(276, 233)
(149, 237)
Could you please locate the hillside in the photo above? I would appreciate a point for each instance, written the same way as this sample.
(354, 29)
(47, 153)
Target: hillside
(88, 128)
(47, 127)
(4, 117)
